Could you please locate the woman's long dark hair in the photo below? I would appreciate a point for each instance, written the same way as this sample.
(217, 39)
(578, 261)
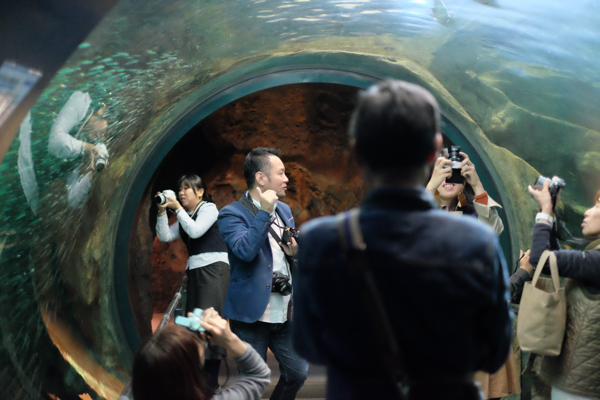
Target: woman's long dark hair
(469, 208)
(168, 367)
(196, 183)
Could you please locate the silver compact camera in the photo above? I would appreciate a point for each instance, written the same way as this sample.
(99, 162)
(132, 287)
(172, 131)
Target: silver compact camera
(102, 158)
(555, 185)
(161, 198)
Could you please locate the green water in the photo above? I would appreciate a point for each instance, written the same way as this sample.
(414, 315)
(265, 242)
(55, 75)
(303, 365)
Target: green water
(518, 82)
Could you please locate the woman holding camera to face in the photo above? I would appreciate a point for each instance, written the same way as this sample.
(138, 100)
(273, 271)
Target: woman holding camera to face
(208, 265)
(169, 365)
(575, 373)
(470, 198)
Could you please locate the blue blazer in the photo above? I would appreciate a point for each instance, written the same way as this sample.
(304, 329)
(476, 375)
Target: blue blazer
(250, 258)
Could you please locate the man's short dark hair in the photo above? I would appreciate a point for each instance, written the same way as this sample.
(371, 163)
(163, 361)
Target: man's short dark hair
(394, 125)
(258, 160)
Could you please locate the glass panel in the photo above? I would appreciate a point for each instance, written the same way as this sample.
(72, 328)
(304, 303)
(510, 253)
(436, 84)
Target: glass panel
(517, 81)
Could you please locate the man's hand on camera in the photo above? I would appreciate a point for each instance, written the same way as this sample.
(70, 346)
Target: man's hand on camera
(440, 173)
(290, 248)
(219, 333)
(470, 174)
(543, 197)
(524, 262)
(267, 199)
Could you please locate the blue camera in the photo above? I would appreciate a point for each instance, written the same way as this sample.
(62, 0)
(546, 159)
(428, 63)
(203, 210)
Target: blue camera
(193, 322)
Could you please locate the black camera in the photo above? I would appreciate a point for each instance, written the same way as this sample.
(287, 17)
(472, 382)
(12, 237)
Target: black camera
(281, 284)
(456, 158)
(288, 234)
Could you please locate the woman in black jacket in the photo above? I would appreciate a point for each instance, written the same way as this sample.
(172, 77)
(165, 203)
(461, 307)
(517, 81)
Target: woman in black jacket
(575, 373)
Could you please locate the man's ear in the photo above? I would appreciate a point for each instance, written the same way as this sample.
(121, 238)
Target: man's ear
(439, 142)
(359, 158)
(259, 177)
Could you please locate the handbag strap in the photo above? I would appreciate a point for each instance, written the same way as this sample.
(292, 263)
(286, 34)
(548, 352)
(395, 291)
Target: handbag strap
(352, 242)
(551, 256)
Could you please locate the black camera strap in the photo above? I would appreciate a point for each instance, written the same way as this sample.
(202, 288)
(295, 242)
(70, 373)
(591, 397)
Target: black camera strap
(355, 249)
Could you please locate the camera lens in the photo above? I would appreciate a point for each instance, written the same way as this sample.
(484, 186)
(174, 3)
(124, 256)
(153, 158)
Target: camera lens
(100, 164)
(454, 153)
(160, 199)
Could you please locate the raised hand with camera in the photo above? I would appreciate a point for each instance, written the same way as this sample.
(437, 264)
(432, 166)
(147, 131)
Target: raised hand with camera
(546, 192)
(440, 173)
(166, 199)
(218, 332)
(467, 169)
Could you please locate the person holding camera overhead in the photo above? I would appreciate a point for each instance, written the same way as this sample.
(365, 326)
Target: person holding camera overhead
(256, 229)
(208, 265)
(169, 365)
(458, 189)
(575, 373)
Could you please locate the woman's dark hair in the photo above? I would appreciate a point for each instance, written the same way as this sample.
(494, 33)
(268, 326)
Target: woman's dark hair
(196, 183)
(469, 208)
(168, 367)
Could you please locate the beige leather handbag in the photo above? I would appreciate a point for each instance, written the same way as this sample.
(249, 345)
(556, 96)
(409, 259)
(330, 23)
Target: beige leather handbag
(543, 311)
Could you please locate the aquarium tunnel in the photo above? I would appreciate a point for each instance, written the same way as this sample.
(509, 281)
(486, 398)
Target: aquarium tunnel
(174, 86)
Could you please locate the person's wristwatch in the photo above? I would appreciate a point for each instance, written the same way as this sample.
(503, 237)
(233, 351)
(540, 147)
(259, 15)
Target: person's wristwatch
(541, 216)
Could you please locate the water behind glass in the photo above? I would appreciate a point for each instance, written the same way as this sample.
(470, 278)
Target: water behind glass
(525, 73)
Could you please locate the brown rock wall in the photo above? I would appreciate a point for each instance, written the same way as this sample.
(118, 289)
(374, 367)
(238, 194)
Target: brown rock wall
(308, 122)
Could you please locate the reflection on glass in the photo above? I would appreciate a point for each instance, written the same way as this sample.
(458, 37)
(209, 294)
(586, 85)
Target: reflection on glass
(519, 78)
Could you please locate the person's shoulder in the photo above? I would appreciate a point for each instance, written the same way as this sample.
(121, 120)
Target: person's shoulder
(319, 226)
(231, 208)
(208, 206)
(460, 227)
(281, 206)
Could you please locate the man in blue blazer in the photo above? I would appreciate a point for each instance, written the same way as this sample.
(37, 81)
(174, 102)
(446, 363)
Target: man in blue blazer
(261, 263)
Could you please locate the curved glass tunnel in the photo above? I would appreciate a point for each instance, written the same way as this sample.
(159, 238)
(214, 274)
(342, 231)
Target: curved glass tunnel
(517, 84)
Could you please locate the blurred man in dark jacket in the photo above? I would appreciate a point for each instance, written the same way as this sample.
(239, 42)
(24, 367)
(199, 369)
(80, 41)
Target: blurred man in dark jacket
(442, 278)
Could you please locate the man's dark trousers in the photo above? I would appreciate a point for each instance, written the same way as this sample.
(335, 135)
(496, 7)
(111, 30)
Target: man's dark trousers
(277, 337)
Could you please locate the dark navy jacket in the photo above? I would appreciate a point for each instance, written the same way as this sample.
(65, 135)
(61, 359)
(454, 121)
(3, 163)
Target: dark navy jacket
(250, 259)
(443, 280)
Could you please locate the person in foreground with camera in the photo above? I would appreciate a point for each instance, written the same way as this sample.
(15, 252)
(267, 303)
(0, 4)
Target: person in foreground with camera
(169, 365)
(457, 188)
(207, 269)
(258, 230)
(399, 293)
(575, 373)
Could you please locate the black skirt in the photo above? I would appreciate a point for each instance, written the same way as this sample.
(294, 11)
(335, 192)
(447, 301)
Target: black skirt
(207, 287)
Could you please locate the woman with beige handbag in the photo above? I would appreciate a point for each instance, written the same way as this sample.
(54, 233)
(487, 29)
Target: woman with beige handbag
(575, 373)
